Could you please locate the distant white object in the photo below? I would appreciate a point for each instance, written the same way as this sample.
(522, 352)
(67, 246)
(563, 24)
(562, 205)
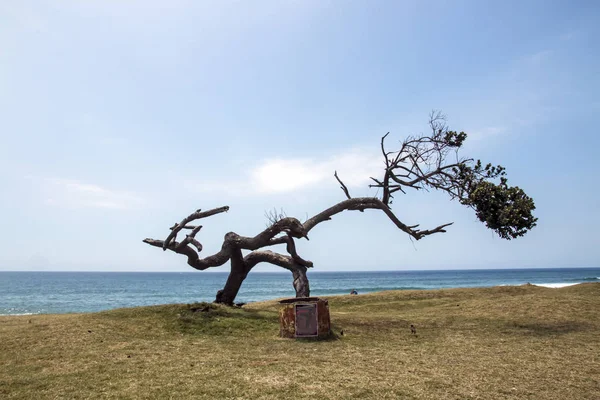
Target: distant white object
(555, 285)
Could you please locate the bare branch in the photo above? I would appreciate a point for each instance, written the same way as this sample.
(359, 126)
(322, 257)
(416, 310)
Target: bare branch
(300, 281)
(192, 256)
(344, 188)
(385, 154)
(183, 227)
(189, 239)
(273, 216)
(386, 190)
(193, 216)
(363, 203)
(434, 230)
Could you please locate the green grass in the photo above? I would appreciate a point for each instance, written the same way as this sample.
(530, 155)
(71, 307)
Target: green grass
(522, 342)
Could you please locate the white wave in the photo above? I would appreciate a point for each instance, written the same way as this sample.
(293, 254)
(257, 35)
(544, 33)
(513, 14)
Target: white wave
(13, 315)
(555, 285)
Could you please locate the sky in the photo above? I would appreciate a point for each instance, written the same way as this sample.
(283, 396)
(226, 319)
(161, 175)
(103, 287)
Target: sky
(119, 118)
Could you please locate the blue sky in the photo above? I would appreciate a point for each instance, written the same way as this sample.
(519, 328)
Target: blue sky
(118, 118)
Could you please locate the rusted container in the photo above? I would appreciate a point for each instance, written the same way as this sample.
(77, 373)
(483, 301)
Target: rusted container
(304, 317)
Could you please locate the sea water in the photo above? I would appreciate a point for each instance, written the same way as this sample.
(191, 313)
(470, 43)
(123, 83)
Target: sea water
(74, 292)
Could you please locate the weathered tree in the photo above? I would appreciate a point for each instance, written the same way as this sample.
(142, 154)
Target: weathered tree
(423, 162)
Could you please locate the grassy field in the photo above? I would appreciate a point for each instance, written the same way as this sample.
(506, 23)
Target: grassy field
(522, 342)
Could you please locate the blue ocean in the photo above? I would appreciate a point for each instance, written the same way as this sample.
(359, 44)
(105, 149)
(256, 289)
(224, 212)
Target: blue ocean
(75, 292)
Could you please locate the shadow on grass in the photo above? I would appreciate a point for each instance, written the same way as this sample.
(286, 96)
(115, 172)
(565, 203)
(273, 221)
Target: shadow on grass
(217, 320)
(548, 328)
(214, 320)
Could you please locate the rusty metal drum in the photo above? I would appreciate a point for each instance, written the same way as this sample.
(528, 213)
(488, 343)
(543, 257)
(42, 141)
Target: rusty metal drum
(304, 317)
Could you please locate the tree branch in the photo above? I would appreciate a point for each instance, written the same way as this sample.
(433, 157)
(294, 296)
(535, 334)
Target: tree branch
(189, 239)
(344, 188)
(362, 203)
(192, 255)
(300, 282)
(193, 216)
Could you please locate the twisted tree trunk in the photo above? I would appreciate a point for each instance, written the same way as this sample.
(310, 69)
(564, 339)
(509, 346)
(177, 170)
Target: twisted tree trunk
(283, 231)
(237, 275)
(231, 250)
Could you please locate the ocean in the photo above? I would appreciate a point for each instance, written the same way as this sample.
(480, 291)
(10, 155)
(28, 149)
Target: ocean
(26, 293)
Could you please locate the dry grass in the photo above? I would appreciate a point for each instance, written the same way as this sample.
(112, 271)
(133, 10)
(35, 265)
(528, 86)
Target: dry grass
(499, 343)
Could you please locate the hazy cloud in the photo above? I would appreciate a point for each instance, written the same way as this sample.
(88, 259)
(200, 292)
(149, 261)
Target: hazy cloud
(75, 194)
(281, 175)
(487, 132)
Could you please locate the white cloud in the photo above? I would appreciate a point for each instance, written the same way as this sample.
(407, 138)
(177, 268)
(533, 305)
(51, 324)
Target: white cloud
(75, 194)
(284, 175)
(281, 175)
(485, 133)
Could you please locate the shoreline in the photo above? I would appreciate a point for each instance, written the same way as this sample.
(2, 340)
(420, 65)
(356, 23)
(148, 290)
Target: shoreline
(320, 271)
(540, 285)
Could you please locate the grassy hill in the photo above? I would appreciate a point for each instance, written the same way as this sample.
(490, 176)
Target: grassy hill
(521, 342)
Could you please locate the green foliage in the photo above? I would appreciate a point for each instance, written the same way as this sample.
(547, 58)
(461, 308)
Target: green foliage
(432, 162)
(453, 138)
(506, 210)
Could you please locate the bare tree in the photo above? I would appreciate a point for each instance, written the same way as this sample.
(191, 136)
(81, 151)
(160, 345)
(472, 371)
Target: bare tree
(423, 162)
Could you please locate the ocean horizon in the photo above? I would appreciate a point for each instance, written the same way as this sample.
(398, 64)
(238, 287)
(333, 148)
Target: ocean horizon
(50, 292)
